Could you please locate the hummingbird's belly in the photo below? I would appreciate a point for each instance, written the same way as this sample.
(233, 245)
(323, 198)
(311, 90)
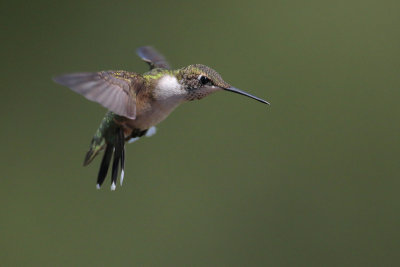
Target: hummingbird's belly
(152, 116)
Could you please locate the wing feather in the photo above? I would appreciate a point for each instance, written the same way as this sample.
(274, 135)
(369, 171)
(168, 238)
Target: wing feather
(106, 88)
(152, 57)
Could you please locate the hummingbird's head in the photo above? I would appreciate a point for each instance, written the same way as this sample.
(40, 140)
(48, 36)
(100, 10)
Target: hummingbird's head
(199, 81)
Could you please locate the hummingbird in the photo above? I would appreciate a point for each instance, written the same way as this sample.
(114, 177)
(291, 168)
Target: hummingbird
(137, 102)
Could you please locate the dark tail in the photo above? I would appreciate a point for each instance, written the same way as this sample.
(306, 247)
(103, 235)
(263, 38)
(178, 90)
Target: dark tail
(114, 147)
(109, 137)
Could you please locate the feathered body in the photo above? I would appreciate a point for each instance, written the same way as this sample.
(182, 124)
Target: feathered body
(137, 102)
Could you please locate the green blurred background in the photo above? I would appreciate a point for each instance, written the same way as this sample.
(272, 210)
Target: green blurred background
(312, 180)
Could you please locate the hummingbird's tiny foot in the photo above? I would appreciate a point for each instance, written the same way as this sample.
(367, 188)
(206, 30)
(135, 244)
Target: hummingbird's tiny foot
(151, 131)
(121, 180)
(97, 186)
(113, 186)
(130, 141)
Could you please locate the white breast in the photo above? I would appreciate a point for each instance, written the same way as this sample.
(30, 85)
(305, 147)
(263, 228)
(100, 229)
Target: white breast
(168, 94)
(168, 87)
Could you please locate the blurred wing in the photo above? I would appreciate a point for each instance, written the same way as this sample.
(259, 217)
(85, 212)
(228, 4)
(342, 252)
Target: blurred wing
(107, 88)
(152, 57)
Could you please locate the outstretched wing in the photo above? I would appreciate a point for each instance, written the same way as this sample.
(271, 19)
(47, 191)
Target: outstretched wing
(111, 89)
(152, 57)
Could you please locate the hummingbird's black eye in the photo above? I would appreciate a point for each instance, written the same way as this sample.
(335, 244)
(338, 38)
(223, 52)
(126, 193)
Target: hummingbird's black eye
(204, 80)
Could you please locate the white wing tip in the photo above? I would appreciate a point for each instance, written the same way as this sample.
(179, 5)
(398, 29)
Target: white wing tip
(113, 186)
(97, 186)
(130, 141)
(151, 131)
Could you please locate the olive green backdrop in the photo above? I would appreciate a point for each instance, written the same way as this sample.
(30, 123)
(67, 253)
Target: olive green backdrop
(311, 180)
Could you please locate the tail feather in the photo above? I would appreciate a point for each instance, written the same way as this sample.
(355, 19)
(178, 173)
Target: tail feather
(118, 156)
(111, 138)
(98, 142)
(105, 163)
(114, 172)
(95, 147)
(121, 179)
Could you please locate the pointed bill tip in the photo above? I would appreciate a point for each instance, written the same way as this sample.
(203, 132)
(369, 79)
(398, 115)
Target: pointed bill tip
(240, 92)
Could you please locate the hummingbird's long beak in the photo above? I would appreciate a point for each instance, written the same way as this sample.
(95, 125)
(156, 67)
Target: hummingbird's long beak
(240, 92)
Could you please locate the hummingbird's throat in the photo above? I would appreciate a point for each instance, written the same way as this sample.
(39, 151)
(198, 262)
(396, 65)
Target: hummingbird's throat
(201, 92)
